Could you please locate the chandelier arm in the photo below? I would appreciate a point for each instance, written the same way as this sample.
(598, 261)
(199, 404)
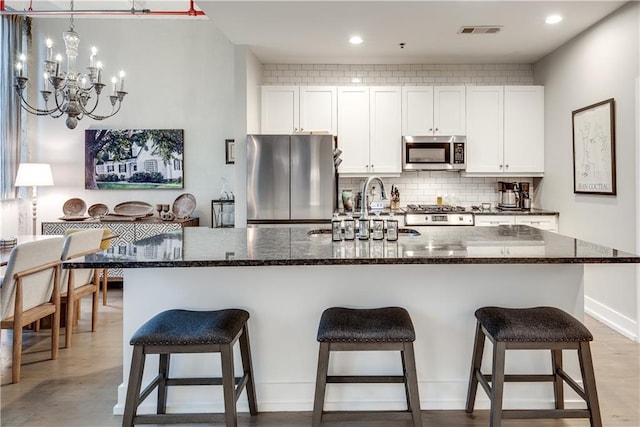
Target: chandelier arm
(99, 117)
(33, 110)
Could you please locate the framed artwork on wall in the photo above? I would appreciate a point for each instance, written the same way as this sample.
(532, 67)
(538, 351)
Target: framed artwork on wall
(229, 151)
(124, 159)
(594, 154)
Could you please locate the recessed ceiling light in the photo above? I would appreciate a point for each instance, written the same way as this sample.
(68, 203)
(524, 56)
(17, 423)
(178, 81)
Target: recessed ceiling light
(355, 80)
(553, 19)
(355, 40)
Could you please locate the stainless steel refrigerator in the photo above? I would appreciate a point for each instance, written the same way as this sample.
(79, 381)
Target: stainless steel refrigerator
(290, 178)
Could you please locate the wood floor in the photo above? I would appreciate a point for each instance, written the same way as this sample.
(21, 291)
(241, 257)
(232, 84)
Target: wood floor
(79, 388)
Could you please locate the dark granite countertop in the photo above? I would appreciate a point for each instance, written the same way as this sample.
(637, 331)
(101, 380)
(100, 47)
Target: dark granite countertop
(532, 211)
(205, 247)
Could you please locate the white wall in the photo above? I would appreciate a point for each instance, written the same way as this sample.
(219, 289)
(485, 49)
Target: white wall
(599, 64)
(179, 75)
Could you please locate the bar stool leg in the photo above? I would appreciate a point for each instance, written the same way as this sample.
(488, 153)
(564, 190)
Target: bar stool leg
(321, 383)
(411, 382)
(589, 381)
(163, 373)
(497, 383)
(247, 366)
(228, 385)
(476, 362)
(558, 383)
(133, 389)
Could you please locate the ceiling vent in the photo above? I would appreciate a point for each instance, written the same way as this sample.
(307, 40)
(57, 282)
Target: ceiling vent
(480, 29)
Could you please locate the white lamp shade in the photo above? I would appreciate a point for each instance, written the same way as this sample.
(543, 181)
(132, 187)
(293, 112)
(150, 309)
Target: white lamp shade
(34, 175)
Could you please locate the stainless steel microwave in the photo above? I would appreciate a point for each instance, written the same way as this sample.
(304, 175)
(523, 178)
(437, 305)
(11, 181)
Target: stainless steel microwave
(423, 153)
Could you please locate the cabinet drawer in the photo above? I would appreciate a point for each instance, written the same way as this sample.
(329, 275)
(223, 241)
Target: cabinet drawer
(493, 220)
(544, 222)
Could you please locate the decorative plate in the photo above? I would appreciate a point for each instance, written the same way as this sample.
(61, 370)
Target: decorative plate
(74, 217)
(137, 209)
(184, 205)
(74, 207)
(98, 209)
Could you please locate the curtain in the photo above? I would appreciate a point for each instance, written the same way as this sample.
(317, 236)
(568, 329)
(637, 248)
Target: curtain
(13, 41)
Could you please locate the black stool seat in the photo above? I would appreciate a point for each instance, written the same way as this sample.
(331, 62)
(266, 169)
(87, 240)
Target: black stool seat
(538, 324)
(537, 328)
(377, 329)
(387, 324)
(185, 327)
(186, 331)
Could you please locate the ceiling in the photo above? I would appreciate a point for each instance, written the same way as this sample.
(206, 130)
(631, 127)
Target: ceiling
(306, 31)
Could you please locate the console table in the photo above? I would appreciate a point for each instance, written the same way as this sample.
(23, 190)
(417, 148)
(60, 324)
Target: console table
(127, 231)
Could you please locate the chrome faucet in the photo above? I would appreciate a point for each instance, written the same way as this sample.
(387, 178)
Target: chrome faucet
(365, 190)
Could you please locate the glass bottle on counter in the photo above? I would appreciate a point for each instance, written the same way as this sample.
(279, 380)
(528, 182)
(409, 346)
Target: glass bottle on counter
(377, 227)
(363, 228)
(349, 227)
(392, 228)
(336, 228)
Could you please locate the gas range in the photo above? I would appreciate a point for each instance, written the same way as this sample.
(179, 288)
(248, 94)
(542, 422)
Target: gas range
(417, 215)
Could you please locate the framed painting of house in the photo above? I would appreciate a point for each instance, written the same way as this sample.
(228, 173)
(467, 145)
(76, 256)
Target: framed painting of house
(122, 159)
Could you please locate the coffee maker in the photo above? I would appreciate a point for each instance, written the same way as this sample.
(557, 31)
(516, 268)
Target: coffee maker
(507, 195)
(524, 199)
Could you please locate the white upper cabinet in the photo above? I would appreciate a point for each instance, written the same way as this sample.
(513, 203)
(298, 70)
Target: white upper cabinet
(291, 109)
(280, 109)
(369, 129)
(505, 130)
(385, 145)
(353, 128)
(318, 109)
(433, 110)
(524, 129)
(485, 128)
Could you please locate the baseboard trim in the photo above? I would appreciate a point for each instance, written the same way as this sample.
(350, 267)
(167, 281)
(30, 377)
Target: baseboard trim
(616, 321)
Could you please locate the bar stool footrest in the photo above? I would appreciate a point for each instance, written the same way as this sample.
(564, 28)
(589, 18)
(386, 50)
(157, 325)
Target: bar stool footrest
(201, 418)
(544, 413)
(365, 415)
(365, 379)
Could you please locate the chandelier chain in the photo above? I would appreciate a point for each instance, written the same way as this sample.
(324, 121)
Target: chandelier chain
(71, 22)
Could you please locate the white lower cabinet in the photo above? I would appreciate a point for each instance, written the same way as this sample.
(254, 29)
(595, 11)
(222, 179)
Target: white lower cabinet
(543, 222)
(493, 220)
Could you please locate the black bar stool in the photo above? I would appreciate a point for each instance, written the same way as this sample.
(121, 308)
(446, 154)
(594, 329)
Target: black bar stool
(539, 328)
(184, 331)
(345, 329)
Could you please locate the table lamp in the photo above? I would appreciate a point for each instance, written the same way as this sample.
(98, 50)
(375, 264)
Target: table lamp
(34, 175)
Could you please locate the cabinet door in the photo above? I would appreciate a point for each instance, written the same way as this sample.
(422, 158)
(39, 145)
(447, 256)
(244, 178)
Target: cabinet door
(385, 145)
(280, 109)
(353, 128)
(449, 110)
(485, 128)
(318, 109)
(493, 220)
(544, 222)
(417, 110)
(524, 129)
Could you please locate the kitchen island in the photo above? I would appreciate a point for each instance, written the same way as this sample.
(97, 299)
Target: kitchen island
(286, 277)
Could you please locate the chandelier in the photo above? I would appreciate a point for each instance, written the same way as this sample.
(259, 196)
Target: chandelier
(70, 92)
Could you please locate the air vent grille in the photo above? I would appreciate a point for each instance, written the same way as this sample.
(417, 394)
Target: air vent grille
(480, 29)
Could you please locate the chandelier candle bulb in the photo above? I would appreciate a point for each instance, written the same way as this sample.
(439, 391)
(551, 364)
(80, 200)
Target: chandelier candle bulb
(99, 66)
(114, 80)
(92, 58)
(45, 75)
(58, 60)
(121, 81)
(19, 68)
(49, 49)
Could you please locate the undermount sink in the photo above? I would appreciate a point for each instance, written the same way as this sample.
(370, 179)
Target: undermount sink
(327, 232)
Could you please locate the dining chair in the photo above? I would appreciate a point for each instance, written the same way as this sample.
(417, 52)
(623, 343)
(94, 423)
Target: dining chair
(78, 283)
(30, 291)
